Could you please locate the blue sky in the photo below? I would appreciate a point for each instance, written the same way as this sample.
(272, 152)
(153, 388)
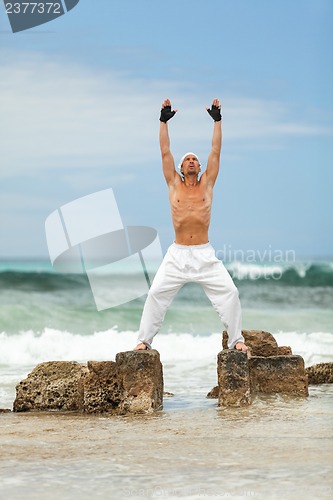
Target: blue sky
(80, 99)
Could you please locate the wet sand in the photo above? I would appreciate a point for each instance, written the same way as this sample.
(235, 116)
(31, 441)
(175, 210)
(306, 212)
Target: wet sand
(279, 447)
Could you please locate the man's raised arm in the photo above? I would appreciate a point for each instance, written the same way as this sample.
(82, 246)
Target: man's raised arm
(213, 163)
(168, 162)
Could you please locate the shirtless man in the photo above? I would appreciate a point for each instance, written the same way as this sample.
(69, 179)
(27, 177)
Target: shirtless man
(191, 258)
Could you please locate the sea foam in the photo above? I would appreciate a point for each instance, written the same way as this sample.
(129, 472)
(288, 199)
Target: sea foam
(29, 348)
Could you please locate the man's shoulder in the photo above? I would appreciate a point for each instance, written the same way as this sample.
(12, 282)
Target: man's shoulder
(205, 182)
(176, 181)
(203, 179)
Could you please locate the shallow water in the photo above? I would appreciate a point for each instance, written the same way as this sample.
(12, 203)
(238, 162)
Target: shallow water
(279, 447)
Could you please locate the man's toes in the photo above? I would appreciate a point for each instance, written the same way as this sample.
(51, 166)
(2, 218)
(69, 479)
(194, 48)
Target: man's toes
(240, 346)
(140, 347)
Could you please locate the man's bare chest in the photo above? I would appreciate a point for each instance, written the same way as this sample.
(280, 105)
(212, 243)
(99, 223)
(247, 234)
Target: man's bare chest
(190, 195)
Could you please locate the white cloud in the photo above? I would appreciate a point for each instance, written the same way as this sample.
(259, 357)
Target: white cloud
(56, 114)
(257, 119)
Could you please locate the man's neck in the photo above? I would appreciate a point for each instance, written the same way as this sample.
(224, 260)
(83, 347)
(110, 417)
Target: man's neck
(191, 181)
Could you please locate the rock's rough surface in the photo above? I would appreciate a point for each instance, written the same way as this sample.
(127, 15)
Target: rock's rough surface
(54, 385)
(102, 391)
(285, 374)
(284, 350)
(132, 384)
(261, 343)
(141, 377)
(233, 378)
(322, 373)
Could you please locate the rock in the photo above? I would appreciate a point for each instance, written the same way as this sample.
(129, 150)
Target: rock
(141, 377)
(270, 374)
(285, 374)
(233, 378)
(54, 385)
(131, 384)
(213, 393)
(5, 410)
(261, 343)
(321, 373)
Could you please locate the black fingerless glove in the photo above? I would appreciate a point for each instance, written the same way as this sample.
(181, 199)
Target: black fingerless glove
(215, 113)
(166, 114)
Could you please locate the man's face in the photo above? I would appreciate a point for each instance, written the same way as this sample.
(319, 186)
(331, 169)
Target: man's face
(190, 165)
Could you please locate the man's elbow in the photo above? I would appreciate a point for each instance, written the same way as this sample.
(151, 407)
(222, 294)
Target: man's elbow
(165, 153)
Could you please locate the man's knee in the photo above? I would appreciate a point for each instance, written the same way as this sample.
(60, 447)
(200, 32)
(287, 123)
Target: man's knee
(233, 292)
(152, 294)
(156, 294)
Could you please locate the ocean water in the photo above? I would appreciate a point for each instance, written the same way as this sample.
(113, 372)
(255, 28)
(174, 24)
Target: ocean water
(49, 316)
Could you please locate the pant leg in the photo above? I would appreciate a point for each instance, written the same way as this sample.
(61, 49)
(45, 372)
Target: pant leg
(167, 282)
(223, 294)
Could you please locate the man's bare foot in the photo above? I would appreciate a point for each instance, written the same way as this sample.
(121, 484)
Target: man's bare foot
(240, 346)
(140, 347)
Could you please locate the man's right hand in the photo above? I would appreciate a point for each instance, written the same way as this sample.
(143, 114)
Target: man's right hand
(215, 111)
(166, 112)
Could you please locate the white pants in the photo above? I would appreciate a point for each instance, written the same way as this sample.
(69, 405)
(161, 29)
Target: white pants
(183, 264)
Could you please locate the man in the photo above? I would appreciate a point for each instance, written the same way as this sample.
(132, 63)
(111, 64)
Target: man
(191, 258)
